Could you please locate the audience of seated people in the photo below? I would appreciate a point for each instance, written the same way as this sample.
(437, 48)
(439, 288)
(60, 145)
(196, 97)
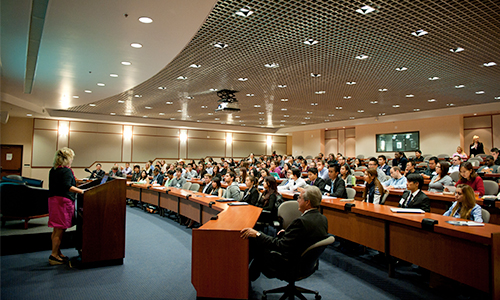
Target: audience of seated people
(441, 179)
(469, 177)
(382, 165)
(455, 164)
(397, 181)
(465, 206)
(489, 167)
(313, 179)
(294, 183)
(335, 185)
(345, 174)
(413, 197)
(373, 188)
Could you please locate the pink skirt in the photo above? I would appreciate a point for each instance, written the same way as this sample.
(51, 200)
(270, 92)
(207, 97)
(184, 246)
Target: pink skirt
(61, 212)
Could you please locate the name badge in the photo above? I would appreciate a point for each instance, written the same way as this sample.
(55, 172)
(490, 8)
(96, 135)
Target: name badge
(327, 187)
(402, 201)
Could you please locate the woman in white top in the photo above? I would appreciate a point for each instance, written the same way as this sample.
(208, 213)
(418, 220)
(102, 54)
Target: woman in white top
(144, 177)
(465, 207)
(441, 179)
(345, 173)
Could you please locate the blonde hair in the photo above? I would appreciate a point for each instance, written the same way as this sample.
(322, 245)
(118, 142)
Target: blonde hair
(467, 204)
(63, 157)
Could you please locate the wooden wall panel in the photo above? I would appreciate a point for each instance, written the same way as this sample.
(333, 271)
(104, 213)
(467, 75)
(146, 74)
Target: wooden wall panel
(484, 137)
(243, 149)
(279, 139)
(496, 131)
(149, 147)
(90, 147)
(145, 130)
(477, 122)
(279, 148)
(206, 134)
(249, 137)
(44, 147)
(198, 148)
(45, 124)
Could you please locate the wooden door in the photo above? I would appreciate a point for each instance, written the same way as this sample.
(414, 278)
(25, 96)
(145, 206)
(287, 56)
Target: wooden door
(12, 160)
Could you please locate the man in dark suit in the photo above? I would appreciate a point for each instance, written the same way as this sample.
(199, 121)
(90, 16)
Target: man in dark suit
(115, 172)
(303, 232)
(97, 173)
(207, 178)
(400, 160)
(312, 174)
(383, 166)
(157, 177)
(335, 186)
(414, 197)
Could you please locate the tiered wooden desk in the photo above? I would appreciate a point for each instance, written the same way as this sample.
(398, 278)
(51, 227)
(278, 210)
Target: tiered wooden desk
(470, 255)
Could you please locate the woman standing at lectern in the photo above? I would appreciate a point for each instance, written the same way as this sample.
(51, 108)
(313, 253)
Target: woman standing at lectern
(62, 195)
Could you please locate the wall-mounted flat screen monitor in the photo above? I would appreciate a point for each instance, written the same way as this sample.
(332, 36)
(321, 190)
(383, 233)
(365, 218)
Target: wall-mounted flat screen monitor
(393, 142)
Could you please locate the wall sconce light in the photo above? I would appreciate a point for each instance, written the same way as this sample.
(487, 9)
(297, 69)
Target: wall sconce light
(127, 133)
(229, 138)
(269, 140)
(183, 137)
(63, 129)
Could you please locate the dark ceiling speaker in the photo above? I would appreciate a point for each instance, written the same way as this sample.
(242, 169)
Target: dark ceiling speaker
(4, 118)
(228, 102)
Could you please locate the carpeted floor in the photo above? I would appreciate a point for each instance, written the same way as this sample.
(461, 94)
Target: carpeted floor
(157, 265)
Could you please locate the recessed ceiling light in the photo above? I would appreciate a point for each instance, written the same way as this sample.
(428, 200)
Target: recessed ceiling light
(242, 124)
(138, 96)
(365, 10)
(310, 42)
(431, 100)
(361, 111)
(189, 97)
(256, 105)
(161, 114)
(169, 102)
(76, 97)
(210, 114)
(286, 116)
(145, 20)
(282, 121)
(261, 112)
(194, 66)
(416, 109)
(338, 107)
(479, 92)
(459, 86)
(162, 87)
(112, 114)
(309, 112)
(113, 75)
(410, 96)
(303, 123)
(314, 104)
(315, 75)
(182, 77)
(101, 84)
(330, 115)
(381, 114)
(382, 90)
(237, 117)
(250, 95)
(361, 57)
(433, 78)
(419, 32)
(284, 109)
(490, 64)
(282, 86)
(242, 79)
(136, 45)
(374, 102)
(347, 97)
(148, 107)
(395, 105)
(29, 115)
(320, 92)
(458, 49)
(352, 118)
(402, 69)
(272, 65)
(497, 98)
(88, 91)
(204, 106)
(121, 101)
(213, 90)
(450, 104)
(172, 118)
(217, 119)
(307, 118)
(179, 110)
(284, 100)
(351, 82)
(92, 104)
(244, 12)
(126, 63)
(220, 45)
(327, 120)
(262, 119)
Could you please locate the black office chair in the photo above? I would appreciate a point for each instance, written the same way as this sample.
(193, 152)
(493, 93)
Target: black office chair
(297, 270)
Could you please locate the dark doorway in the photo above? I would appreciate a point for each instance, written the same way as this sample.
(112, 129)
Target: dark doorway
(12, 160)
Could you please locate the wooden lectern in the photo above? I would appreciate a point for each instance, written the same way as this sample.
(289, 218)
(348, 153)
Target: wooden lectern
(101, 223)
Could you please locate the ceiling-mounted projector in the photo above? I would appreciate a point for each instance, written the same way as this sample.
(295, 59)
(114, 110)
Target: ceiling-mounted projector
(228, 102)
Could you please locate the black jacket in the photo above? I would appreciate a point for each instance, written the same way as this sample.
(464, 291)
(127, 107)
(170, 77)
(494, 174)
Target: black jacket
(97, 174)
(251, 196)
(420, 201)
(339, 190)
(207, 189)
(319, 182)
(303, 232)
(60, 181)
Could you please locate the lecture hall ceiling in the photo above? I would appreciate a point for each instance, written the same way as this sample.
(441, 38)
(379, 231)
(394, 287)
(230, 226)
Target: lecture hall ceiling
(297, 63)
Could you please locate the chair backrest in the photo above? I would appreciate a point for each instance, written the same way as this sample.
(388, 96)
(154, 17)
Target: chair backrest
(486, 215)
(194, 187)
(242, 193)
(309, 258)
(475, 163)
(351, 193)
(361, 156)
(186, 185)
(443, 156)
(289, 211)
(422, 165)
(361, 168)
(309, 157)
(15, 177)
(358, 173)
(455, 176)
(384, 197)
(490, 187)
(482, 155)
(478, 158)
